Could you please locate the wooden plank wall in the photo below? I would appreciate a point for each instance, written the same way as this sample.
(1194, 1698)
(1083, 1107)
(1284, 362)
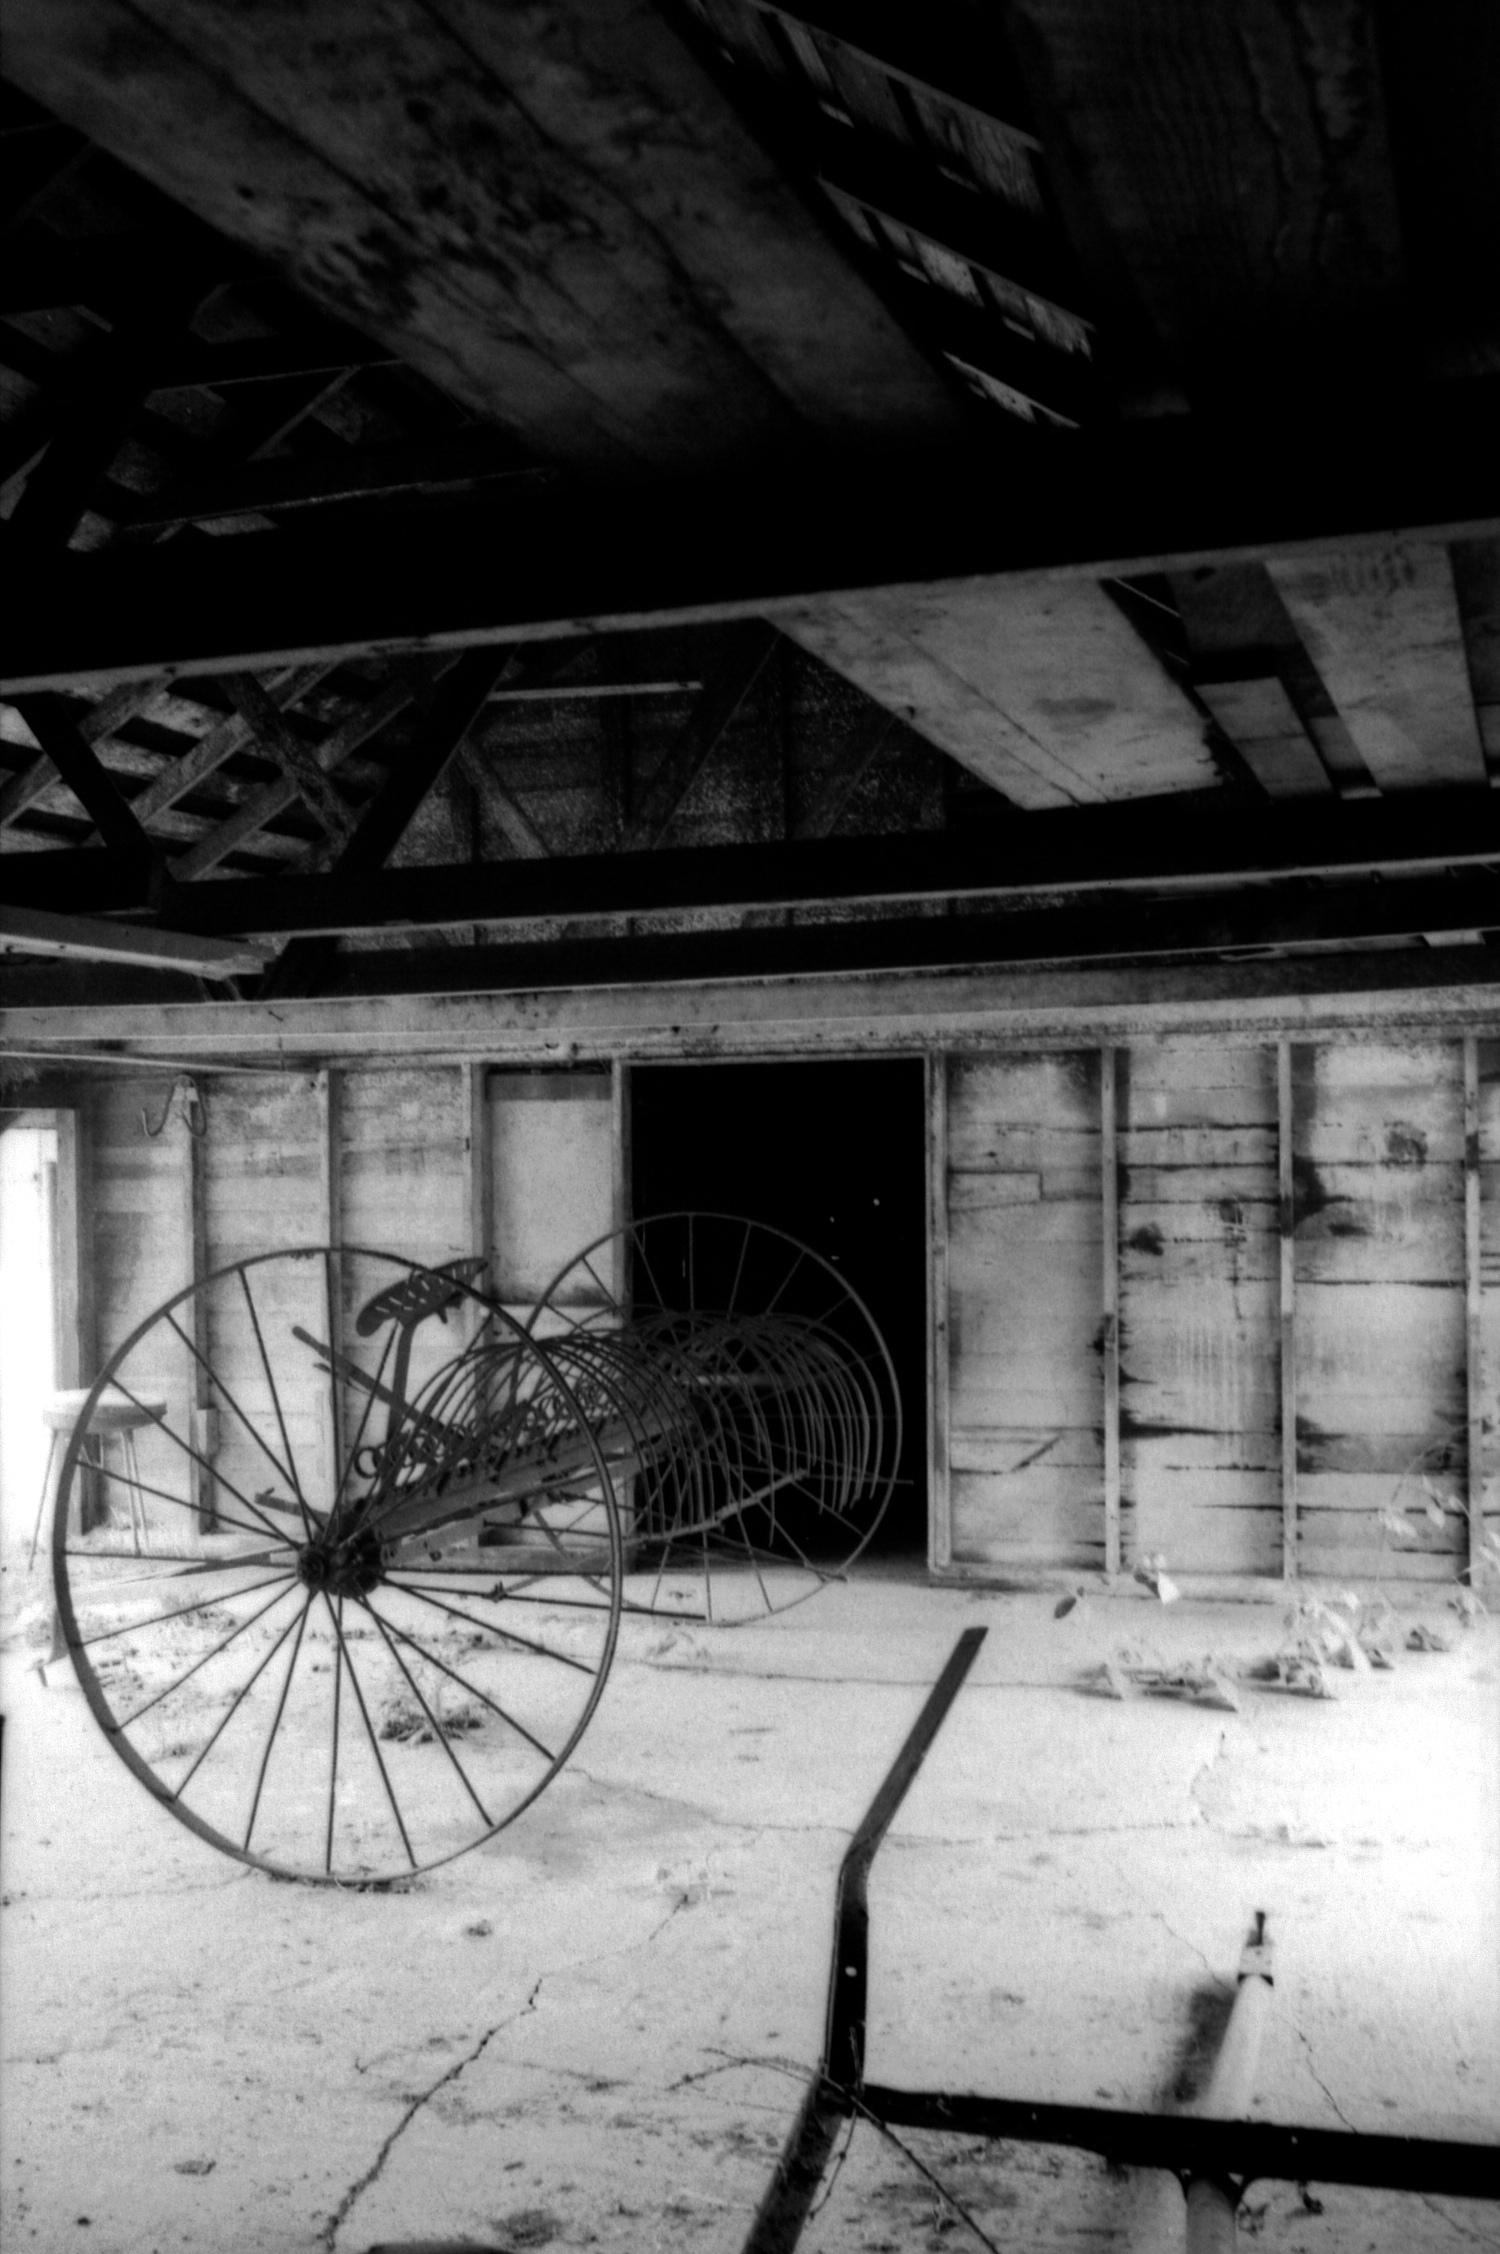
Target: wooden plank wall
(1381, 1392)
(1200, 1391)
(390, 1159)
(1392, 1292)
(1024, 1308)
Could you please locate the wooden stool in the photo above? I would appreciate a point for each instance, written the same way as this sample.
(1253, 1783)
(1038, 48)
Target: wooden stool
(115, 1417)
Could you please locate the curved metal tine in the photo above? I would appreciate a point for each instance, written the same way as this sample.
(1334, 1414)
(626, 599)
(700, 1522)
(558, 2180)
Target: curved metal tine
(286, 1443)
(438, 1731)
(333, 1756)
(472, 1689)
(224, 1643)
(734, 1289)
(161, 1425)
(638, 1246)
(181, 1502)
(265, 1759)
(774, 1301)
(364, 1417)
(158, 1619)
(233, 1708)
(203, 1362)
(607, 1289)
(346, 1659)
(506, 1635)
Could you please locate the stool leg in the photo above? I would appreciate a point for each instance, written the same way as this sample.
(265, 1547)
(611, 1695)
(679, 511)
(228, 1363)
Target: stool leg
(41, 1508)
(133, 1489)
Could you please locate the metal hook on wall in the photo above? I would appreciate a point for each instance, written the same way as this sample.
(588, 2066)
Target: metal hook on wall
(194, 1117)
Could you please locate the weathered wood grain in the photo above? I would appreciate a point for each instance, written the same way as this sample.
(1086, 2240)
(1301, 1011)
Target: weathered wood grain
(1045, 690)
(555, 216)
(1199, 1301)
(1024, 1308)
(1384, 632)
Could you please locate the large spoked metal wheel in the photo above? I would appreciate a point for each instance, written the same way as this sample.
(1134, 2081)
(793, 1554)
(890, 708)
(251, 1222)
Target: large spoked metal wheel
(350, 1605)
(745, 1400)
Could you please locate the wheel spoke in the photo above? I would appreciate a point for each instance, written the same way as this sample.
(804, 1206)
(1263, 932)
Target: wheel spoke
(347, 1659)
(191, 1563)
(371, 1394)
(436, 1726)
(286, 1443)
(196, 1456)
(223, 1645)
(182, 1612)
(265, 1759)
(507, 1635)
(472, 1688)
(181, 1502)
(333, 1758)
(237, 1701)
(214, 1378)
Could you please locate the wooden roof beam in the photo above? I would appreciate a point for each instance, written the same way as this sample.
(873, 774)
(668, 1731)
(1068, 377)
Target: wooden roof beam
(1149, 844)
(566, 561)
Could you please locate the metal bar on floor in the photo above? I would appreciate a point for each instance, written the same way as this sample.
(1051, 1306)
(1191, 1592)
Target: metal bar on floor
(784, 2209)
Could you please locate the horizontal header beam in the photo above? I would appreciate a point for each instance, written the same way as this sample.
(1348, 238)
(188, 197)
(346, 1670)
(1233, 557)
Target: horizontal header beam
(1145, 843)
(1148, 499)
(1425, 991)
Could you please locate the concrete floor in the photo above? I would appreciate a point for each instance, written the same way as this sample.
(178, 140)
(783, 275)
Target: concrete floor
(593, 2032)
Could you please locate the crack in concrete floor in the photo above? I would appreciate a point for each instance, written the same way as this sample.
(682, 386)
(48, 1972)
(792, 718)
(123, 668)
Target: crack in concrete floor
(328, 2236)
(1312, 2068)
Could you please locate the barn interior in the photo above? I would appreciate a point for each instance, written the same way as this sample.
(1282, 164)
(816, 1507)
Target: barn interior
(884, 620)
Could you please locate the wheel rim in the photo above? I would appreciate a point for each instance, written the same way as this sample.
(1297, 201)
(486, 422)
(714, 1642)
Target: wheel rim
(400, 1621)
(690, 1283)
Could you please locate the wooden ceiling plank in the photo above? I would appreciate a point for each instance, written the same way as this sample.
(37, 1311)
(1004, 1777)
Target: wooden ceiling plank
(743, 653)
(1045, 691)
(914, 686)
(263, 805)
(558, 285)
(1241, 158)
(1261, 721)
(1382, 627)
(698, 178)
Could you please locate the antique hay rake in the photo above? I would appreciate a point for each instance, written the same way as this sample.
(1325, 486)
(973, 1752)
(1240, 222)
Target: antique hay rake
(391, 1526)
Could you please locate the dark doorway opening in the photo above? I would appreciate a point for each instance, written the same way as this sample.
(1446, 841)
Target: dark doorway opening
(834, 1155)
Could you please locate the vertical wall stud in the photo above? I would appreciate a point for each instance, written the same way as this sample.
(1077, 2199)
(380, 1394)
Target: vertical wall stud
(194, 1170)
(73, 1249)
(331, 1228)
(479, 1186)
(1472, 1301)
(623, 1164)
(939, 1493)
(1287, 1210)
(1109, 1339)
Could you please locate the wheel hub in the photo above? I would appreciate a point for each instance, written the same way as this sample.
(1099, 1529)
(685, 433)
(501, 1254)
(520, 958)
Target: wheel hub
(350, 1566)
